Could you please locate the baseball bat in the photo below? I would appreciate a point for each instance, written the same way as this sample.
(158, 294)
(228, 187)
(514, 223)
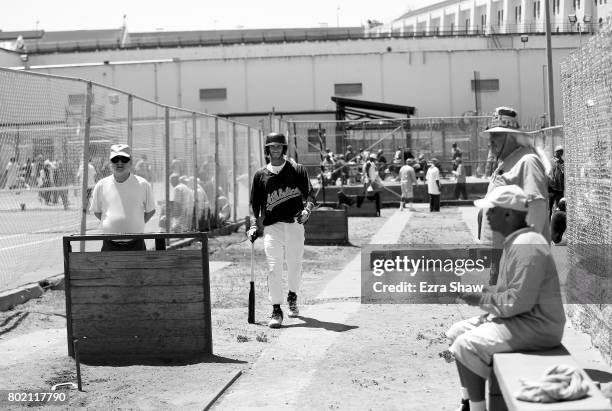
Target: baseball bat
(252, 290)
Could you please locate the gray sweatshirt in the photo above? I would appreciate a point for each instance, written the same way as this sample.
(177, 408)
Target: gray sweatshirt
(527, 298)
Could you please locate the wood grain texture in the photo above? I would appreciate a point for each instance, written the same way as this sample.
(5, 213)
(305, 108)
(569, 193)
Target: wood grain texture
(158, 311)
(127, 329)
(136, 294)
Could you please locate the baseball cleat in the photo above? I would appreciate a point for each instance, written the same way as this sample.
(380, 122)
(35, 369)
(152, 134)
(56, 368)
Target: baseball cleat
(276, 319)
(292, 302)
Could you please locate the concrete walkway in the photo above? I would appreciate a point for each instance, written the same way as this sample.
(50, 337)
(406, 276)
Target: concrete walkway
(287, 367)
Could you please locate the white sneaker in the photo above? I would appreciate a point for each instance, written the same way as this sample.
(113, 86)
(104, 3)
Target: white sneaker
(276, 319)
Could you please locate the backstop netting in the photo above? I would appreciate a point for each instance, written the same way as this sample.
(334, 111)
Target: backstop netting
(48, 123)
(587, 99)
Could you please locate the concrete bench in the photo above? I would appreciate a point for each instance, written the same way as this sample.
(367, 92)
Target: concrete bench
(509, 368)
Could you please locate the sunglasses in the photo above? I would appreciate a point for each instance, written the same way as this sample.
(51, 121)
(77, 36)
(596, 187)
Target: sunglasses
(117, 159)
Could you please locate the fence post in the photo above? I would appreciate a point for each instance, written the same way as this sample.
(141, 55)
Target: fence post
(234, 169)
(196, 224)
(261, 149)
(167, 168)
(84, 196)
(216, 176)
(130, 121)
(249, 161)
(295, 142)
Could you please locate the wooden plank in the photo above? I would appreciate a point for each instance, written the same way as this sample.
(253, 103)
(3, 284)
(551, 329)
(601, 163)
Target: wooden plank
(138, 278)
(323, 236)
(158, 311)
(509, 368)
(93, 329)
(151, 346)
(127, 294)
(121, 261)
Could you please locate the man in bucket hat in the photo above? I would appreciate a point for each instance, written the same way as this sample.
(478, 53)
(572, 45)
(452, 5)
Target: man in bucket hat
(523, 312)
(519, 163)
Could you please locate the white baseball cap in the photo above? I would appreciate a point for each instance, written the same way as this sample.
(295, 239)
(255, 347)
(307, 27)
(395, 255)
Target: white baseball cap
(510, 197)
(120, 150)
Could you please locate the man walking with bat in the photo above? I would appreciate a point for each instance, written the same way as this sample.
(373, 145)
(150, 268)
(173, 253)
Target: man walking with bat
(281, 200)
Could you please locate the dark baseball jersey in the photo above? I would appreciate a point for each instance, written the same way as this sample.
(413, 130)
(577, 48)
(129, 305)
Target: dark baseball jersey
(279, 197)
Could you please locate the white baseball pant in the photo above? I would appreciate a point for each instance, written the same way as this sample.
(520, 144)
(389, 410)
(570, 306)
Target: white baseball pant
(283, 242)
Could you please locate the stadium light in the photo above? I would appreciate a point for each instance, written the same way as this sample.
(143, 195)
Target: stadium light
(572, 18)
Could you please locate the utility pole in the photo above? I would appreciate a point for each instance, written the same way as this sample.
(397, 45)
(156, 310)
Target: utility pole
(551, 97)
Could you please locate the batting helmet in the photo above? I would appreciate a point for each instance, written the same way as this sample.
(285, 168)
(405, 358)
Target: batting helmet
(275, 138)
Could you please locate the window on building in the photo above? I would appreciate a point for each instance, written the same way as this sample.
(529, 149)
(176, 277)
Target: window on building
(520, 13)
(578, 3)
(483, 20)
(213, 94)
(348, 89)
(313, 140)
(538, 10)
(485, 85)
(516, 14)
(535, 3)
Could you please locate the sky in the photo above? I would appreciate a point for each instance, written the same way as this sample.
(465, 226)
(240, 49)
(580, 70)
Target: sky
(152, 15)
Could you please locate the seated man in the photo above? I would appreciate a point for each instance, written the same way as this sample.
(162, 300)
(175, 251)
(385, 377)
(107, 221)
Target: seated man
(523, 312)
(558, 223)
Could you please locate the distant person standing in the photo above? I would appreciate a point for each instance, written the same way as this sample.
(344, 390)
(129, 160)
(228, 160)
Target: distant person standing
(143, 169)
(181, 204)
(456, 153)
(350, 154)
(123, 202)
(433, 185)
(459, 172)
(10, 174)
(556, 179)
(407, 182)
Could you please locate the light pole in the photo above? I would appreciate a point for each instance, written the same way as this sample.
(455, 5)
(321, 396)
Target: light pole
(551, 98)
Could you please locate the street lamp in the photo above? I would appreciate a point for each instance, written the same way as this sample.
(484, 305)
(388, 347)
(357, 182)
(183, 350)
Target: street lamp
(587, 21)
(572, 19)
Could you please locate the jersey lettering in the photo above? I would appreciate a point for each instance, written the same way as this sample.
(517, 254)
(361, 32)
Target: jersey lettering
(281, 195)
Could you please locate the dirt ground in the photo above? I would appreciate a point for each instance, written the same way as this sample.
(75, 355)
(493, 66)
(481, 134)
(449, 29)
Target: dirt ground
(33, 348)
(395, 353)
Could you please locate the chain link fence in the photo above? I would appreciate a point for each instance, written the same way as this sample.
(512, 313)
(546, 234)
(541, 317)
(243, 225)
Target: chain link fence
(50, 126)
(426, 137)
(587, 98)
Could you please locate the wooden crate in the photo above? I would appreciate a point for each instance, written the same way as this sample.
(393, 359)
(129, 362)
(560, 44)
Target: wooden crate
(326, 227)
(138, 305)
(367, 209)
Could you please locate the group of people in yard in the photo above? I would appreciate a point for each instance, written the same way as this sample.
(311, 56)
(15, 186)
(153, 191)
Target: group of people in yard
(521, 310)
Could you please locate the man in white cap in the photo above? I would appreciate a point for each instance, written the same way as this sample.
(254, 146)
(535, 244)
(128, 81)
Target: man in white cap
(523, 312)
(123, 202)
(520, 163)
